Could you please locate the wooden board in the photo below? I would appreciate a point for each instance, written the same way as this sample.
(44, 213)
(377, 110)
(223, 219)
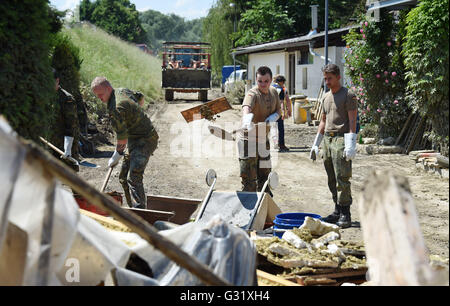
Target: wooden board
(395, 248)
(265, 279)
(215, 107)
(13, 256)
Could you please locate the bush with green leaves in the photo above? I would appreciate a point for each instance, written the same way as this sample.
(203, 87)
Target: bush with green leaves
(375, 66)
(28, 88)
(426, 52)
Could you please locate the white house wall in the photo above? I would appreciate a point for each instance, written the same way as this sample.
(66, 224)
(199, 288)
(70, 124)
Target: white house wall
(280, 61)
(269, 59)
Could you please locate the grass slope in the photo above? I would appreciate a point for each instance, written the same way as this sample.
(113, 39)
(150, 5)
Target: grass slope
(123, 64)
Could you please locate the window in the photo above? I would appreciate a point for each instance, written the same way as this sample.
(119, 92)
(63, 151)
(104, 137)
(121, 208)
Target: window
(305, 58)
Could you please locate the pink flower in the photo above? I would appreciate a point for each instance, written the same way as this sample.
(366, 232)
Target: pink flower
(386, 81)
(352, 68)
(386, 73)
(367, 61)
(379, 110)
(395, 102)
(361, 79)
(378, 76)
(362, 31)
(368, 108)
(389, 44)
(366, 23)
(354, 88)
(364, 36)
(356, 56)
(394, 74)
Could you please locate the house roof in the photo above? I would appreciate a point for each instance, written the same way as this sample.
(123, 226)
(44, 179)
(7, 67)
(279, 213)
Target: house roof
(389, 4)
(292, 42)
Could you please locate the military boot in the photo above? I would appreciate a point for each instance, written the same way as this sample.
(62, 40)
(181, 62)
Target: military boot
(334, 217)
(345, 219)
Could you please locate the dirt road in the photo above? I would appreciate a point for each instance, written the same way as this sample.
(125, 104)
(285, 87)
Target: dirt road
(187, 151)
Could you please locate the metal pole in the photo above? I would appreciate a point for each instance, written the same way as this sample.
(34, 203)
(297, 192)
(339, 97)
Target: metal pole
(326, 38)
(234, 55)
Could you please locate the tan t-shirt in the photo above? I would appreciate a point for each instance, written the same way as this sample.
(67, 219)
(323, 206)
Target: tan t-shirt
(262, 105)
(336, 107)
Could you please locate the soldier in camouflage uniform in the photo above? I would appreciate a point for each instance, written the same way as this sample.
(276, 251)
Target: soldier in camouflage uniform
(133, 128)
(338, 128)
(66, 126)
(261, 105)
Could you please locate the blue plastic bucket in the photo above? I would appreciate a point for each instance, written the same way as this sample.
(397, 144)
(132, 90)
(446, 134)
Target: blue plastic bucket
(287, 221)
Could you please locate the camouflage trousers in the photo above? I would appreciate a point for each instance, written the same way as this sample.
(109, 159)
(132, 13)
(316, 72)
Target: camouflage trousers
(133, 167)
(338, 169)
(255, 165)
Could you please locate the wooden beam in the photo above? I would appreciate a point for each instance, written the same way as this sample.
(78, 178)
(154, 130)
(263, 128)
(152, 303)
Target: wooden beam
(395, 248)
(264, 277)
(134, 222)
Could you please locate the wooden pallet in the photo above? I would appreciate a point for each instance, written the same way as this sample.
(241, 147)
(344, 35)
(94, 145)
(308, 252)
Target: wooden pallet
(213, 107)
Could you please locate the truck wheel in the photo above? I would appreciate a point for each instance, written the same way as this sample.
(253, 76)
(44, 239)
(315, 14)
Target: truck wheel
(203, 95)
(169, 95)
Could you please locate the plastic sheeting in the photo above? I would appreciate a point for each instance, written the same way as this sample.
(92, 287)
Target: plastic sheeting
(62, 247)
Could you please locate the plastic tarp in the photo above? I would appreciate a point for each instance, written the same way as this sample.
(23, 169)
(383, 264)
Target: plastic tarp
(44, 240)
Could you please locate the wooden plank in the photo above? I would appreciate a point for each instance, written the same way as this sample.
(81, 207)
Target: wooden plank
(13, 255)
(272, 279)
(395, 248)
(404, 129)
(309, 281)
(106, 222)
(211, 108)
(351, 273)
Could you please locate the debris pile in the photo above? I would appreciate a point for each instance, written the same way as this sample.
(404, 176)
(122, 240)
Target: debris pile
(312, 254)
(431, 161)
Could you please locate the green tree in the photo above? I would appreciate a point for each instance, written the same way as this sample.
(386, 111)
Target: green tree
(27, 90)
(117, 17)
(426, 52)
(160, 27)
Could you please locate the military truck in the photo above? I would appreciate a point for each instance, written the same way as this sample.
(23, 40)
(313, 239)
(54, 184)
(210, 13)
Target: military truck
(186, 68)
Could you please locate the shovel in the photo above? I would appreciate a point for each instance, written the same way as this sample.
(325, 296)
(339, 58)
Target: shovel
(70, 158)
(105, 182)
(221, 133)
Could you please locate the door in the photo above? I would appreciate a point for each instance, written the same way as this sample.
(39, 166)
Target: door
(291, 76)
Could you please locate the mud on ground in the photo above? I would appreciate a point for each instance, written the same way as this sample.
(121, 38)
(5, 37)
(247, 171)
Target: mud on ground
(179, 165)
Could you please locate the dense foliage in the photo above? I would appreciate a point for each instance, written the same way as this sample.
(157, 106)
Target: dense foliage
(117, 17)
(267, 20)
(160, 27)
(426, 52)
(374, 64)
(27, 90)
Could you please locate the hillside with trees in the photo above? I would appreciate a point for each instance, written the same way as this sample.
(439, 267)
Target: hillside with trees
(160, 27)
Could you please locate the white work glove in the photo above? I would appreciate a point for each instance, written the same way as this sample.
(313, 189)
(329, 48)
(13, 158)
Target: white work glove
(350, 146)
(315, 148)
(247, 123)
(68, 141)
(114, 160)
(272, 118)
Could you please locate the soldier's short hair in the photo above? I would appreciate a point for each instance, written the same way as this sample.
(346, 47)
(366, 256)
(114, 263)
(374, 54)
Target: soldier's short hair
(263, 70)
(332, 68)
(100, 82)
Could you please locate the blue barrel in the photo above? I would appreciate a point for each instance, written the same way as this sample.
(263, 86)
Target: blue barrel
(287, 221)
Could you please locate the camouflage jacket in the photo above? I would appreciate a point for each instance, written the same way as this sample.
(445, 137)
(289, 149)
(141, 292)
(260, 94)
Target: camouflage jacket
(66, 115)
(127, 117)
